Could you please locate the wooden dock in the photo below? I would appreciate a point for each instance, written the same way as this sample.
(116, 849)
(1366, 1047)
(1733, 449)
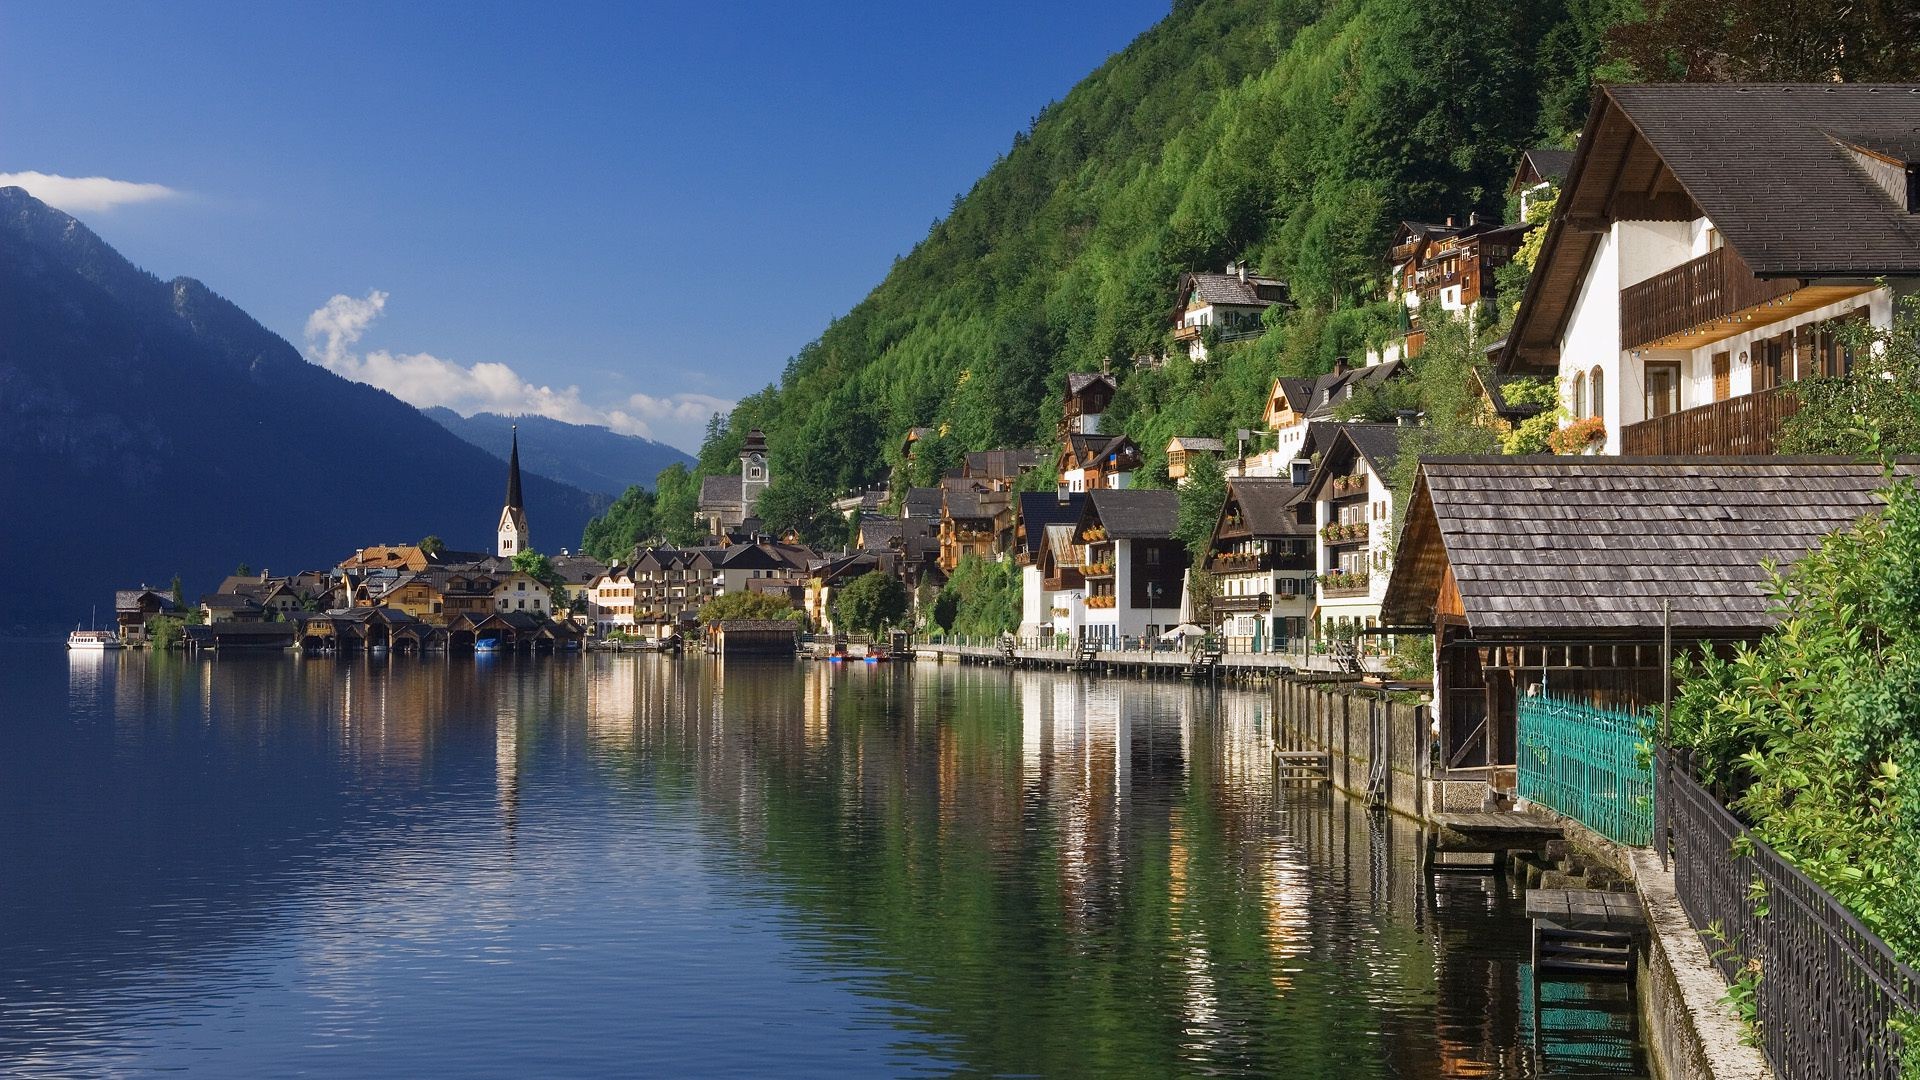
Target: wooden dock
(1480, 843)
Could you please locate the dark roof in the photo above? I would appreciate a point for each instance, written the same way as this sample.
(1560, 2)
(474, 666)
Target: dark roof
(1266, 505)
(1766, 163)
(1376, 444)
(1336, 386)
(1197, 442)
(1078, 382)
(1594, 544)
(751, 557)
(920, 502)
(1039, 509)
(578, 569)
(1001, 464)
(129, 599)
(1252, 291)
(1082, 450)
(1769, 164)
(720, 492)
(229, 601)
(1545, 163)
(514, 504)
(1135, 513)
(1298, 392)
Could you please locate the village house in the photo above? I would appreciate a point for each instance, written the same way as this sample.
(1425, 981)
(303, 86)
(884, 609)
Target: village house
(517, 591)
(727, 502)
(1088, 396)
(1182, 448)
(1538, 177)
(1222, 307)
(1558, 575)
(611, 602)
(1351, 490)
(1262, 554)
(973, 518)
(1092, 462)
(1135, 568)
(1436, 270)
(275, 595)
(230, 607)
(1043, 512)
(1294, 406)
(1710, 246)
(577, 573)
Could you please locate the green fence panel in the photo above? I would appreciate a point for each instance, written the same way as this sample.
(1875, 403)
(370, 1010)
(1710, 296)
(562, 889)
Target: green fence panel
(1590, 764)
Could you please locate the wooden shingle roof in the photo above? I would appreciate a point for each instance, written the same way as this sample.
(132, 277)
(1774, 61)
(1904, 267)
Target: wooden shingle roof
(1593, 545)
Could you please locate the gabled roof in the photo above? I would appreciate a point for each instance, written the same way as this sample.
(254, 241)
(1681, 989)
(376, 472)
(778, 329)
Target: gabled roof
(1376, 444)
(129, 599)
(1079, 451)
(720, 492)
(578, 569)
(1079, 382)
(1267, 506)
(1000, 464)
(1769, 164)
(1134, 513)
(1540, 163)
(1593, 545)
(1196, 444)
(1038, 510)
(920, 502)
(751, 557)
(229, 602)
(1251, 290)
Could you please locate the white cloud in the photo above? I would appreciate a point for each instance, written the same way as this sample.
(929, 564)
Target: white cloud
(85, 194)
(424, 380)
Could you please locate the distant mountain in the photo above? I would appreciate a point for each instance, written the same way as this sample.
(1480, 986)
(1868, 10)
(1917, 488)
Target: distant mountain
(150, 427)
(588, 457)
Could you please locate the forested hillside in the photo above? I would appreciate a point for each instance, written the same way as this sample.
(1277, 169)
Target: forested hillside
(1293, 133)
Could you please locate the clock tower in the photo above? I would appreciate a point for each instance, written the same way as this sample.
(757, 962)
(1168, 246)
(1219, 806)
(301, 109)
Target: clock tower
(514, 537)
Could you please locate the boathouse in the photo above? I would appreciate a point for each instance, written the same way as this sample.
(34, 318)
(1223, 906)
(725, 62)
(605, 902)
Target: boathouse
(1559, 575)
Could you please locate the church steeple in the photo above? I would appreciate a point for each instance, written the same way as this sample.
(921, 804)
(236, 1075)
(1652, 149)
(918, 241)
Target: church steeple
(513, 473)
(513, 534)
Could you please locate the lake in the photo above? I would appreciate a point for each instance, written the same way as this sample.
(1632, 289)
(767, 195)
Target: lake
(642, 865)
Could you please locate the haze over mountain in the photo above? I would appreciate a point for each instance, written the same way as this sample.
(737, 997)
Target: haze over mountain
(588, 456)
(150, 427)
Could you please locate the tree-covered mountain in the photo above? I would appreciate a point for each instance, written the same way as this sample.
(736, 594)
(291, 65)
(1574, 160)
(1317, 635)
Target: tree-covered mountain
(589, 457)
(150, 427)
(1294, 133)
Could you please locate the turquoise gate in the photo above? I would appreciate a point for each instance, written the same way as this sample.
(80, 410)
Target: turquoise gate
(1589, 763)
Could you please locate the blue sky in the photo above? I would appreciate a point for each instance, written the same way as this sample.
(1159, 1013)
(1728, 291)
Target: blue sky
(617, 213)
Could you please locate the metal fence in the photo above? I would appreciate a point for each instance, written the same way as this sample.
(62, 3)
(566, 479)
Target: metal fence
(1588, 763)
(1829, 989)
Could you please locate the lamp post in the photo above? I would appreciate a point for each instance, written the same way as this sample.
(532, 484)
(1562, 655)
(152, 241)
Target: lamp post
(1153, 593)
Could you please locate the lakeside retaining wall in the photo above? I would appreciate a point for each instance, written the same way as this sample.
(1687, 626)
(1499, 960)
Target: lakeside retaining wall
(1360, 728)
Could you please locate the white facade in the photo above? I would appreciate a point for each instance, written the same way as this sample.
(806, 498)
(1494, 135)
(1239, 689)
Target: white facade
(1337, 603)
(610, 603)
(1637, 384)
(519, 592)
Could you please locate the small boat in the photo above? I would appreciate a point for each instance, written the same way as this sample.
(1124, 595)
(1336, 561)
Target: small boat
(486, 644)
(93, 640)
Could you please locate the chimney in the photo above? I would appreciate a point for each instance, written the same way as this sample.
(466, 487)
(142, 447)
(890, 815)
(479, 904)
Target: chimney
(1341, 365)
(1243, 271)
(1473, 219)
(1449, 221)
(264, 574)
(1407, 418)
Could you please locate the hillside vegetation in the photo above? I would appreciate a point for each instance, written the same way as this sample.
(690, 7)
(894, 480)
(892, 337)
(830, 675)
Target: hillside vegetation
(1293, 133)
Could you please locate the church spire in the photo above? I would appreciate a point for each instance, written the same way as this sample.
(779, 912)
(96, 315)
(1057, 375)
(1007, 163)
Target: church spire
(513, 516)
(513, 473)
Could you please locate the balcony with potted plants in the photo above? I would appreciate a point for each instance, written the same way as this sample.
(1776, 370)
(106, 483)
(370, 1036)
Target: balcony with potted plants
(1345, 532)
(1239, 562)
(1344, 583)
(1101, 600)
(1341, 487)
(1098, 568)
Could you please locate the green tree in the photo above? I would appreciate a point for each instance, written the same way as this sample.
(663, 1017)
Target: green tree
(540, 568)
(1201, 499)
(748, 605)
(243, 570)
(985, 597)
(431, 546)
(1770, 41)
(1815, 731)
(179, 593)
(1873, 409)
(676, 496)
(611, 537)
(793, 506)
(870, 603)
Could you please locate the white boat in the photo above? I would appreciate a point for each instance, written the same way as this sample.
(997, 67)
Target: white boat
(93, 640)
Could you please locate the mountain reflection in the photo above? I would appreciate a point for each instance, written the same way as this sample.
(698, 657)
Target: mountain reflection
(917, 868)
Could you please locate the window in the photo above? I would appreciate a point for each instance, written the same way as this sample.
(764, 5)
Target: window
(1663, 388)
(1153, 556)
(1580, 394)
(1722, 376)
(1595, 390)
(1773, 362)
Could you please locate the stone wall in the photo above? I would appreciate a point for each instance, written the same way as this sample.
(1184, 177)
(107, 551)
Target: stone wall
(1357, 726)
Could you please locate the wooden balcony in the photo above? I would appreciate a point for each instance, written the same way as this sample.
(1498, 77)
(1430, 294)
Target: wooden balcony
(1748, 424)
(1242, 603)
(1710, 298)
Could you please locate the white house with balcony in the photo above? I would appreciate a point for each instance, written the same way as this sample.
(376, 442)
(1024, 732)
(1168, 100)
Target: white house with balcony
(1351, 491)
(1134, 569)
(1223, 307)
(1262, 555)
(1710, 248)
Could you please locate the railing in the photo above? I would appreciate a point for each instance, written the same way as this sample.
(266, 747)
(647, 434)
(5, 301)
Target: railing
(1691, 295)
(1241, 603)
(1240, 563)
(1830, 990)
(1748, 424)
(1588, 763)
